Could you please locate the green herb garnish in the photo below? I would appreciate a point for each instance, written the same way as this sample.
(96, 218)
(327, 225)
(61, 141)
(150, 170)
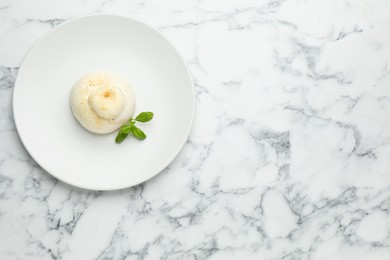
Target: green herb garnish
(130, 127)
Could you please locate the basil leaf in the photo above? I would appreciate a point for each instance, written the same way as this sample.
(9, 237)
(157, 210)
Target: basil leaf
(126, 128)
(138, 133)
(129, 127)
(144, 117)
(120, 137)
(123, 132)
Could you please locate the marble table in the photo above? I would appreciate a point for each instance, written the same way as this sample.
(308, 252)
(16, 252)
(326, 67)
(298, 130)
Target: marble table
(288, 158)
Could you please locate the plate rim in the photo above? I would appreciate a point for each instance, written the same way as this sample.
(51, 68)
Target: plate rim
(136, 181)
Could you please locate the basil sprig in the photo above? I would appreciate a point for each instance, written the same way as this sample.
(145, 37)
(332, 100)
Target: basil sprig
(130, 127)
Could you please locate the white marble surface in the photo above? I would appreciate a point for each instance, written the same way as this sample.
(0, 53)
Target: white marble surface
(289, 157)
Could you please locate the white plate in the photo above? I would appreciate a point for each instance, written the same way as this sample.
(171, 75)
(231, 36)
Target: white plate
(54, 138)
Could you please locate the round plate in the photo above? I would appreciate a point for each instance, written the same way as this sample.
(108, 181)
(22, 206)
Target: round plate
(52, 136)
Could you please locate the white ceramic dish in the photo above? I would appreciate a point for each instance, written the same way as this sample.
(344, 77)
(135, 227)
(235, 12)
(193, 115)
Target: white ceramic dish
(54, 138)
